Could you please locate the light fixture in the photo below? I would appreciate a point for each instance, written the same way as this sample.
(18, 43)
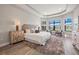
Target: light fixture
(17, 23)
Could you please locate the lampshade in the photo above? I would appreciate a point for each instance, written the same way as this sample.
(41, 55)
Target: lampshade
(17, 22)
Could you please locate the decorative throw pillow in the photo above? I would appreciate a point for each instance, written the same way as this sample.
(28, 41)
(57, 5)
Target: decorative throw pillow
(36, 31)
(27, 30)
(32, 30)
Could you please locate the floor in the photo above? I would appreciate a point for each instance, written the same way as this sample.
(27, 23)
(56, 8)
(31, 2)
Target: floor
(18, 49)
(68, 47)
(23, 49)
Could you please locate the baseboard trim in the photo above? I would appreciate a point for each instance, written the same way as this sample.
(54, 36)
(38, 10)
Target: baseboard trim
(4, 44)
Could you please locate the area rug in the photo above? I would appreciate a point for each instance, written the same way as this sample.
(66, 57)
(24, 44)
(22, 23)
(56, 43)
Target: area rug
(54, 46)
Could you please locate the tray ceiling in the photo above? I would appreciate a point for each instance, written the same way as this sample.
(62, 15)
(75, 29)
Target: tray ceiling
(48, 10)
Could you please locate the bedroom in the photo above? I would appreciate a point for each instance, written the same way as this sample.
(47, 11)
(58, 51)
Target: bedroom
(51, 21)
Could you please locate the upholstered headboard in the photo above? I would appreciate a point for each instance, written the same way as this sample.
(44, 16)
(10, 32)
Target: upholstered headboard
(28, 26)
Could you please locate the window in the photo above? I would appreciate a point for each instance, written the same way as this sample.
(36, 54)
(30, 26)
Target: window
(51, 25)
(68, 24)
(43, 28)
(57, 25)
(54, 25)
(43, 25)
(43, 22)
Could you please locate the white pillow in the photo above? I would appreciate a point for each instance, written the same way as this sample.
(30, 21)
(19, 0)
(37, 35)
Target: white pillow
(32, 30)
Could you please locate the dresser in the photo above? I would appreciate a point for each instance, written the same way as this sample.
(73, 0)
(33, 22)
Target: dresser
(16, 36)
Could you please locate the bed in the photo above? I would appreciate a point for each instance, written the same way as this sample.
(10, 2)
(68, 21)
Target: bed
(38, 38)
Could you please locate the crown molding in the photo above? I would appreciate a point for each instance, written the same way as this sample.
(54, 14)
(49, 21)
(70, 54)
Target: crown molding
(65, 11)
(27, 7)
(41, 14)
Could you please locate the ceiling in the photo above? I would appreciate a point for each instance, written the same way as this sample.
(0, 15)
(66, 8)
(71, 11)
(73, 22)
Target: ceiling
(48, 10)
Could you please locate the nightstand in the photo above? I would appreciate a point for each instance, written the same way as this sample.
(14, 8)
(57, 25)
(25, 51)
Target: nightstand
(16, 36)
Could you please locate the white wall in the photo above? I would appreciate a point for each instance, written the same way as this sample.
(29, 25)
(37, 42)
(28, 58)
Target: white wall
(75, 17)
(8, 15)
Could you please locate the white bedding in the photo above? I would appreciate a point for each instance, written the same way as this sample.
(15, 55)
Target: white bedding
(38, 38)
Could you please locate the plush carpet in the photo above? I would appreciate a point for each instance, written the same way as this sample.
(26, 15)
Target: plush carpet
(54, 46)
